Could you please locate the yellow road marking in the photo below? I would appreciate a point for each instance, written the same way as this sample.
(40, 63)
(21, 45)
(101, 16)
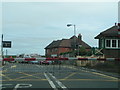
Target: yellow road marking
(6, 77)
(28, 76)
(21, 76)
(87, 80)
(2, 75)
(3, 71)
(70, 75)
(25, 74)
(26, 80)
(104, 75)
(64, 80)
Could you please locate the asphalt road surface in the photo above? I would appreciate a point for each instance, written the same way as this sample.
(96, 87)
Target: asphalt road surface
(16, 76)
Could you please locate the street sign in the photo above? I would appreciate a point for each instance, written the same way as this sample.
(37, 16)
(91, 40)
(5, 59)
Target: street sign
(6, 44)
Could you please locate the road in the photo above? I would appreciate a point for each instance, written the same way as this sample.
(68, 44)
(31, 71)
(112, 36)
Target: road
(17, 76)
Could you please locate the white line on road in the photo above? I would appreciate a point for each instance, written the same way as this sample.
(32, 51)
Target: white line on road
(22, 86)
(50, 82)
(13, 66)
(15, 88)
(58, 82)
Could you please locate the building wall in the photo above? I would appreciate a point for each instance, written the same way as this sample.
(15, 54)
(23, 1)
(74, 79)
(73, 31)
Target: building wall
(56, 51)
(62, 50)
(112, 53)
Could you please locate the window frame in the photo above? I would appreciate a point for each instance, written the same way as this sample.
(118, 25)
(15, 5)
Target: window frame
(106, 43)
(111, 43)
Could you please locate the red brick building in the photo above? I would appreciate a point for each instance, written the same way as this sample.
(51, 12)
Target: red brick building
(55, 48)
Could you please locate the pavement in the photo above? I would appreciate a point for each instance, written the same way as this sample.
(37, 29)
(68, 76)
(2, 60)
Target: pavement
(17, 76)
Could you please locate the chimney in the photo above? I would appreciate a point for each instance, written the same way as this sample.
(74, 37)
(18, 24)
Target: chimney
(119, 27)
(80, 37)
(118, 24)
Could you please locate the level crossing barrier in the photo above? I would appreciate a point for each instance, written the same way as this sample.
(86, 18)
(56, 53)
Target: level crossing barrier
(54, 59)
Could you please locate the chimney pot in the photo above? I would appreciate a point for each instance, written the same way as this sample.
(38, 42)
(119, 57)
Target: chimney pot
(118, 24)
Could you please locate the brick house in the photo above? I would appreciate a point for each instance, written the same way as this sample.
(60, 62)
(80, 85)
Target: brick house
(109, 42)
(55, 48)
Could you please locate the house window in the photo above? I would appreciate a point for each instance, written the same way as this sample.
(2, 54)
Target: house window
(119, 43)
(47, 51)
(56, 49)
(112, 43)
(108, 43)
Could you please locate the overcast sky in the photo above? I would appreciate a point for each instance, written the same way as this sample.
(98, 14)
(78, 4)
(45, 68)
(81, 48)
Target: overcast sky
(31, 26)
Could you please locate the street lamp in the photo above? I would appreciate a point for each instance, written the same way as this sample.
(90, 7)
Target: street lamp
(79, 46)
(68, 25)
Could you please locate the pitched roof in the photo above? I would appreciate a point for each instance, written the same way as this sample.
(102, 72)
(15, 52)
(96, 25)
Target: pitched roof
(85, 45)
(111, 32)
(68, 43)
(54, 44)
(65, 43)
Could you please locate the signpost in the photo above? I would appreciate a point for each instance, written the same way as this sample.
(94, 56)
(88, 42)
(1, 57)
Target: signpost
(4, 44)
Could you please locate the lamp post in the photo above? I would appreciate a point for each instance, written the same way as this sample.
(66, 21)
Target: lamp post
(68, 25)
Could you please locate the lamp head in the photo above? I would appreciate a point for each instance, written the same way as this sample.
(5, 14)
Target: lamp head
(68, 25)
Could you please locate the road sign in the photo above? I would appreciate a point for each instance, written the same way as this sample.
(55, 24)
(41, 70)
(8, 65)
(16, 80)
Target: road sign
(6, 44)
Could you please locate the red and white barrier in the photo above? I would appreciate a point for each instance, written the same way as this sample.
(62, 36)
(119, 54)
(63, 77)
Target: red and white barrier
(62, 59)
(8, 59)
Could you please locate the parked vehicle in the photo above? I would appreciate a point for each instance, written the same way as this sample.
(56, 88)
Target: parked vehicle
(46, 62)
(34, 62)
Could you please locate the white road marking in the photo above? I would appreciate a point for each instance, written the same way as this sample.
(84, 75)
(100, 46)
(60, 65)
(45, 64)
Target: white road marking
(15, 88)
(50, 82)
(22, 86)
(58, 82)
(13, 66)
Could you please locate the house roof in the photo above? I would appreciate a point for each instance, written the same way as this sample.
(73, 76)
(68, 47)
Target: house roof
(85, 44)
(67, 43)
(111, 32)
